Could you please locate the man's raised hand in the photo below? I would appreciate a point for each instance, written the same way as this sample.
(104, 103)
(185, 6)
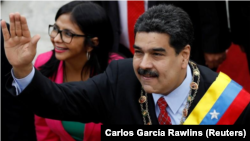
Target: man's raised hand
(20, 48)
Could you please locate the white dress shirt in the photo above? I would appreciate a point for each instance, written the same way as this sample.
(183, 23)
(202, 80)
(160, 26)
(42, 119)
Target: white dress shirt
(21, 84)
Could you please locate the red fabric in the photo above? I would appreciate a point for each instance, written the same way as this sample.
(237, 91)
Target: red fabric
(235, 109)
(236, 67)
(163, 117)
(115, 56)
(135, 9)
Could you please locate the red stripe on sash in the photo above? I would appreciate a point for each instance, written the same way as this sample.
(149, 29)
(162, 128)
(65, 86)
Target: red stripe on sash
(235, 109)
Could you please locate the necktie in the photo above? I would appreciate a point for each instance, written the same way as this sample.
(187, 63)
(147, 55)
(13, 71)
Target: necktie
(163, 117)
(135, 9)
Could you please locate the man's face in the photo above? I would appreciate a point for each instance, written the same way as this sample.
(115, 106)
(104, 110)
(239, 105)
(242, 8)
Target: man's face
(156, 64)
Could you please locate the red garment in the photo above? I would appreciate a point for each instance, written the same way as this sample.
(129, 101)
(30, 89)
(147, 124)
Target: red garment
(236, 66)
(135, 9)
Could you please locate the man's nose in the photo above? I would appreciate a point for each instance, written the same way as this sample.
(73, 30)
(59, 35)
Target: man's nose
(146, 62)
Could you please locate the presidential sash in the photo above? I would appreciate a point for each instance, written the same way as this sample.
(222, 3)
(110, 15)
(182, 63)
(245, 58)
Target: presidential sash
(222, 104)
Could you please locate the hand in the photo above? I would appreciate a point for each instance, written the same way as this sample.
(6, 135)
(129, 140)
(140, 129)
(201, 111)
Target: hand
(213, 60)
(20, 48)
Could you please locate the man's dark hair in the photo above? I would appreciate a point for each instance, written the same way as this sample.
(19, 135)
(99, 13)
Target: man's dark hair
(168, 19)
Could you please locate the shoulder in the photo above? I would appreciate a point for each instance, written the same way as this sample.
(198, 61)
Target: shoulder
(122, 65)
(121, 70)
(207, 74)
(124, 61)
(42, 58)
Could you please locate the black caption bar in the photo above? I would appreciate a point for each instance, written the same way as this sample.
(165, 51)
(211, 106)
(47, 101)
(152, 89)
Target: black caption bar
(176, 131)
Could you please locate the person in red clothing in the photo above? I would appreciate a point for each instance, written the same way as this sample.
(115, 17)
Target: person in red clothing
(82, 48)
(237, 63)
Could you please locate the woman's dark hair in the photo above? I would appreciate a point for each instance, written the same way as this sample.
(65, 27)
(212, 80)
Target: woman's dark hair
(93, 22)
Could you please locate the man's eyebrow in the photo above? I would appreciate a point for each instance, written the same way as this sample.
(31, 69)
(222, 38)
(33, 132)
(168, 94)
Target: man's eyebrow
(160, 49)
(137, 47)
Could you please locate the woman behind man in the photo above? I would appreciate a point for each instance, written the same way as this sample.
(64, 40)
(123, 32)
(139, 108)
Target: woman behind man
(82, 37)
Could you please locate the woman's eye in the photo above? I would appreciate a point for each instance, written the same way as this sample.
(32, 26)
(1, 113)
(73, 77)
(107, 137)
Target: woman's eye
(55, 28)
(69, 34)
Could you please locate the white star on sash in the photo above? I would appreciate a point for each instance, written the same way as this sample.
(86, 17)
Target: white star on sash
(214, 114)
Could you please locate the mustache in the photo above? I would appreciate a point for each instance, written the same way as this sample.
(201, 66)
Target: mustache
(147, 72)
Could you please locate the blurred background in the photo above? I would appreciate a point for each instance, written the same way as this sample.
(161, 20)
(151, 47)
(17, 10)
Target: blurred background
(39, 15)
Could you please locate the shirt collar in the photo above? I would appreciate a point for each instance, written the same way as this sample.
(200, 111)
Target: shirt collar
(176, 98)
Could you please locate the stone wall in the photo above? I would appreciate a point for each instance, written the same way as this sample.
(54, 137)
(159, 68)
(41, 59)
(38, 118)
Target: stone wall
(39, 15)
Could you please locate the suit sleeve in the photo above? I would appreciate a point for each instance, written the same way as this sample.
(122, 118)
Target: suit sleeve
(88, 101)
(43, 132)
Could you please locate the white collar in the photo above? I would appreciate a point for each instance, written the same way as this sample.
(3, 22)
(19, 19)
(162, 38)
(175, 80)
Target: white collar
(176, 98)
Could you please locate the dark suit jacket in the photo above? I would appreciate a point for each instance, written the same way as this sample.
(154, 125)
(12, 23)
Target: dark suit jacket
(111, 97)
(17, 119)
(209, 20)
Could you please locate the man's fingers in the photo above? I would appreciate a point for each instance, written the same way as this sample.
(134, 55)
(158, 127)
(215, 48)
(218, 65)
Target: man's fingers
(12, 25)
(25, 29)
(34, 41)
(6, 34)
(18, 25)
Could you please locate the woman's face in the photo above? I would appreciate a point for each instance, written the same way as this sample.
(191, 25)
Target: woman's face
(74, 49)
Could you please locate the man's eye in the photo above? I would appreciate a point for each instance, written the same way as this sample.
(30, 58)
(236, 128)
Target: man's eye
(157, 54)
(137, 51)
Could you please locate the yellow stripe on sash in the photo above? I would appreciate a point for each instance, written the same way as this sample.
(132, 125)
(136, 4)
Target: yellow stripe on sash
(208, 100)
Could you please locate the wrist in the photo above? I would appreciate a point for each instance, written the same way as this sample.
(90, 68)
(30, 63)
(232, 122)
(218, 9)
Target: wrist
(21, 72)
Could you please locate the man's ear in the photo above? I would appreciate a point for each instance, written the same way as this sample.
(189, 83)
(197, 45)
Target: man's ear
(185, 54)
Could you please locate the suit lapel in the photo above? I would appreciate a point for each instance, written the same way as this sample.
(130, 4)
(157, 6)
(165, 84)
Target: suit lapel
(151, 108)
